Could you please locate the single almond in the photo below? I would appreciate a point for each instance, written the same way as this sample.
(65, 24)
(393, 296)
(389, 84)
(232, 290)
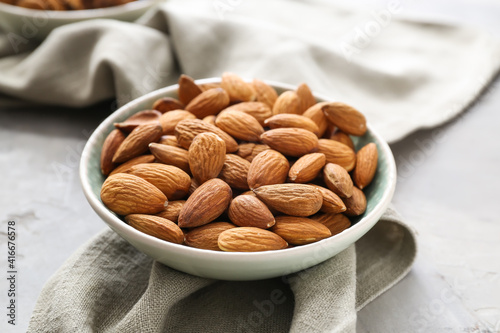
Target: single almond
(306, 97)
(169, 140)
(268, 168)
(285, 120)
(291, 199)
(342, 137)
(315, 113)
(188, 89)
(172, 210)
(186, 130)
(237, 89)
(338, 180)
(338, 153)
(207, 154)
(332, 203)
(249, 150)
(345, 117)
(207, 86)
(207, 236)
(109, 148)
(136, 143)
(209, 102)
(127, 194)
(239, 125)
(366, 165)
(300, 230)
(306, 168)
(265, 93)
(171, 180)
(356, 204)
(123, 168)
(336, 223)
(170, 119)
(249, 239)
(287, 102)
(139, 118)
(210, 119)
(171, 155)
(156, 226)
(258, 110)
(206, 203)
(249, 211)
(291, 141)
(166, 104)
(235, 172)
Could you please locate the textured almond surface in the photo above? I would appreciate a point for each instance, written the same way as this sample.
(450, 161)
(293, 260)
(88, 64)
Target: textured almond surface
(136, 160)
(166, 104)
(336, 223)
(188, 89)
(249, 239)
(170, 119)
(207, 154)
(291, 141)
(239, 125)
(356, 204)
(235, 172)
(208, 102)
(265, 93)
(109, 148)
(206, 203)
(186, 130)
(345, 117)
(172, 211)
(127, 194)
(366, 165)
(332, 203)
(169, 140)
(287, 102)
(338, 180)
(342, 138)
(338, 153)
(300, 230)
(315, 113)
(237, 89)
(306, 168)
(284, 120)
(306, 97)
(207, 236)
(156, 226)
(249, 211)
(258, 110)
(171, 155)
(249, 150)
(267, 168)
(291, 199)
(136, 143)
(141, 117)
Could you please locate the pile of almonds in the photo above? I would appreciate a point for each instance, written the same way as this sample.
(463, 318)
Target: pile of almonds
(65, 4)
(232, 166)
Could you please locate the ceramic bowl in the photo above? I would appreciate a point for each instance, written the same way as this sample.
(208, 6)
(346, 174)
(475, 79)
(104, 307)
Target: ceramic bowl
(232, 265)
(35, 24)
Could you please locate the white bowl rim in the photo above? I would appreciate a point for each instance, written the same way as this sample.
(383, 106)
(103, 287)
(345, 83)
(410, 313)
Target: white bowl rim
(116, 222)
(78, 14)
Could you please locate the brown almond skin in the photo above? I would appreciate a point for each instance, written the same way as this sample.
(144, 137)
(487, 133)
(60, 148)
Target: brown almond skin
(291, 199)
(141, 117)
(345, 117)
(207, 154)
(285, 120)
(171, 155)
(306, 168)
(366, 165)
(166, 104)
(237, 89)
(206, 236)
(235, 172)
(208, 102)
(210, 119)
(172, 211)
(109, 148)
(332, 203)
(356, 204)
(188, 89)
(169, 140)
(170, 119)
(207, 86)
(287, 102)
(249, 239)
(300, 230)
(249, 150)
(127, 194)
(171, 180)
(249, 211)
(258, 110)
(336, 223)
(338, 180)
(136, 160)
(265, 93)
(156, 226)
(268, 168)
(206, 203)
(239, 125)
(338, 153)
(306, 97)
(342, 138)
(291, 141)
(186, 130)
(315, 113)
(137, 142)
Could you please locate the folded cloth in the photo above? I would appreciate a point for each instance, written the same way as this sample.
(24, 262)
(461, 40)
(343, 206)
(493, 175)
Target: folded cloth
(402, 74)
(109, 286)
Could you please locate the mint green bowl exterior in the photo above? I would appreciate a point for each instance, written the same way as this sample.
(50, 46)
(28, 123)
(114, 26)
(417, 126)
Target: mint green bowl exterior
(231, 265)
